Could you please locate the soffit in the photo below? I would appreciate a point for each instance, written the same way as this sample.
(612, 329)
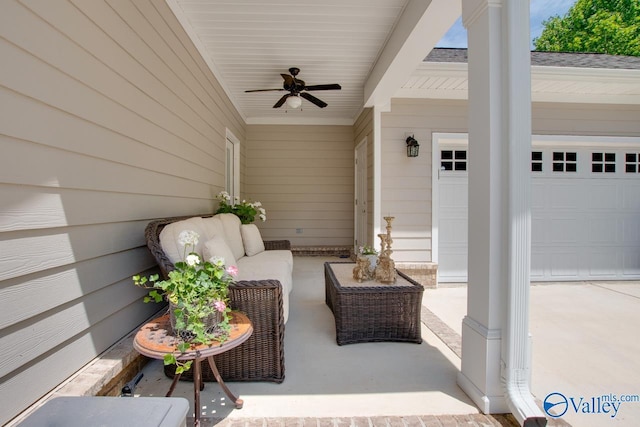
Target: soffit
(548, 84)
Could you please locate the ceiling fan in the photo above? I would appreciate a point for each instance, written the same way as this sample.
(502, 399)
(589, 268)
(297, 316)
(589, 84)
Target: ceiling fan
(297, 89)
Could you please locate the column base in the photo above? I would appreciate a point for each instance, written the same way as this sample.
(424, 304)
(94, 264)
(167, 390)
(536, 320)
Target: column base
(486, 404)
(480, 377)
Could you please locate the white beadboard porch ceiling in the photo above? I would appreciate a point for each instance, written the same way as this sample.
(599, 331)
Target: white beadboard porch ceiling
(249, 43)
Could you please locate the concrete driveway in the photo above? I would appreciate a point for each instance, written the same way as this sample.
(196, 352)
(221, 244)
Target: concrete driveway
(586, 346)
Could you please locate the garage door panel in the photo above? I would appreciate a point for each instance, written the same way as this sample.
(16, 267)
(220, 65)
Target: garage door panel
(538, 231)
(601, 197)
(584, 224)
(565, 195)
(602, 230)
(631, 230)
(603, 262)
(538, 195)
(539, 259)
(564, 264)
(564, 230)
(631, 196)
(631, 262)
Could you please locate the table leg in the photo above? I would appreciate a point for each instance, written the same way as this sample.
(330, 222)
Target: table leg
(197, 381)
(176, 377)
(238, 402)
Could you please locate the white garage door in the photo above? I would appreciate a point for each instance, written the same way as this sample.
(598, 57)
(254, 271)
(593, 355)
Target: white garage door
(585, 210)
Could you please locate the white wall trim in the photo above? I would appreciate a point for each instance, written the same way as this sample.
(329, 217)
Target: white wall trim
(377, 166)
(356, 225)
(236, 161)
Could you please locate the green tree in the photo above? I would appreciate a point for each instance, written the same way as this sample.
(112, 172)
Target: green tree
(597, 26)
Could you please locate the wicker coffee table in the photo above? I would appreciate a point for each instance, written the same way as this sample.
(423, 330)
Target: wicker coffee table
(372, 311)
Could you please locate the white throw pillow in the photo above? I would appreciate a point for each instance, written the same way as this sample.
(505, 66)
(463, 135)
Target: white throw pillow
(217, 247)
(231, 225)
(251, 239)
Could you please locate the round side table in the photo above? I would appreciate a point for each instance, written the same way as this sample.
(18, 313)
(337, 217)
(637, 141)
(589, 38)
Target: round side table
(154, 340)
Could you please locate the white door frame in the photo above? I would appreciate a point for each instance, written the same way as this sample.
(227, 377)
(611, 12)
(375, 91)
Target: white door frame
(234, 142)
(360, 197)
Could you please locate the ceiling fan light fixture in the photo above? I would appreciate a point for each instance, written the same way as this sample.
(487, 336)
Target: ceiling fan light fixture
(294, 102)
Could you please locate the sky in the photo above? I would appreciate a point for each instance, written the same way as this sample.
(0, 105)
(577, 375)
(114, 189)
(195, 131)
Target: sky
(541, 10)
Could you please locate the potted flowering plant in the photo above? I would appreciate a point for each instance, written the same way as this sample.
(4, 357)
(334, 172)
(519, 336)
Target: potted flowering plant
(197, 292)
(367, 250)
(246, 211)
(371, 254)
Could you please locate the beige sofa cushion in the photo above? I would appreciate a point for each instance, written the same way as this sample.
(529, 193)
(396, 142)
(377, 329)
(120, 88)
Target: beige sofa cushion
(251, 239)
(258, 268)
(213, 227)
(231, 225)
(169, 238)
(276, 256)
(217, 247)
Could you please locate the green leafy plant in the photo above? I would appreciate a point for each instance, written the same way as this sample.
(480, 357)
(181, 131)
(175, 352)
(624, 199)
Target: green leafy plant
(246, 211)
(367, 250)
(196, 290)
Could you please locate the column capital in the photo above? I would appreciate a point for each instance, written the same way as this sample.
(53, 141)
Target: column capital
(472, 9)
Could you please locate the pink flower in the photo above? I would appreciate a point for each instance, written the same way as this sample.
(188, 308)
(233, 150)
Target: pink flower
(220, 306)
(232, 270)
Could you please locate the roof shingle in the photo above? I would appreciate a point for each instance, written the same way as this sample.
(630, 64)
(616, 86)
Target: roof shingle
(549, 59)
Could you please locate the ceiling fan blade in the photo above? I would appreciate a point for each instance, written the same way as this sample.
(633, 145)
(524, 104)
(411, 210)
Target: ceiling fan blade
(288, 80)
(281, 101)
(261, 90)
(334, 86)
(313, 99)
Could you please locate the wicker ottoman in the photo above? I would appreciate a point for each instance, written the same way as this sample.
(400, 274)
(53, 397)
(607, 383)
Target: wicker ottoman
(372, 311)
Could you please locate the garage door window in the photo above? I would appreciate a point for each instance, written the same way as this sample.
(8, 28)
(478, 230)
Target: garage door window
(565, 161)
(632, 163)
(536, 161)
(603, 162)
(453, 160)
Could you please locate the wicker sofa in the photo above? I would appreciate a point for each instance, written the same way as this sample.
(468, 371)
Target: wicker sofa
(261, 291)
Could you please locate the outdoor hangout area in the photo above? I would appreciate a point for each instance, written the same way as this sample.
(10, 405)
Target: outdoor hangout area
(283, 212)
(378, 380)
(379, 383)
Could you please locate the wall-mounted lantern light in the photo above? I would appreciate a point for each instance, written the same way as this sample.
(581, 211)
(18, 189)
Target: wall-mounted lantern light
(412, 147)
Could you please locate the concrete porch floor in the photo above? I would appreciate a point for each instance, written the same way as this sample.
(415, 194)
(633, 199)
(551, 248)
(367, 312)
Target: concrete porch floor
(323, 379)
(585, 344)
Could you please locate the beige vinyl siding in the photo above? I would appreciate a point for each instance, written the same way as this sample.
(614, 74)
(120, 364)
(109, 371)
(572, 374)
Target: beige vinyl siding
(109, 118)
(406, 183)
(363, 128)
(585, 119)
(303, 176)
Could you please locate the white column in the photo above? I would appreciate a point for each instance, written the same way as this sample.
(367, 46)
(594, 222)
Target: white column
(378, 109)
(495, 345)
